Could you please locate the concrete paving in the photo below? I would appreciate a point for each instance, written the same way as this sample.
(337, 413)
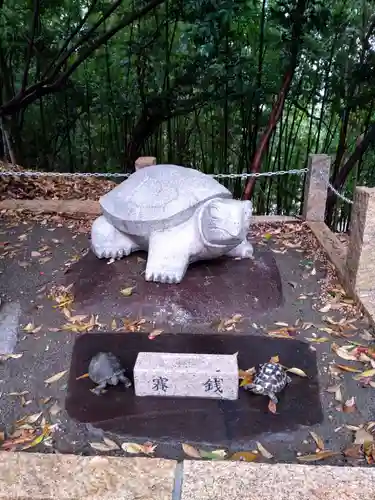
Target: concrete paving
(68, 477)
(28, 268)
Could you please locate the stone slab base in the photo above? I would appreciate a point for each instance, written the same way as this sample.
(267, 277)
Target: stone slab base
(35, 476)
(175, 420)
(211, 290)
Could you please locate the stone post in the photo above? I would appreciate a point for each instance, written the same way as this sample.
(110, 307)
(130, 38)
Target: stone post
(145, 161)
(316, 186)
(360, 261)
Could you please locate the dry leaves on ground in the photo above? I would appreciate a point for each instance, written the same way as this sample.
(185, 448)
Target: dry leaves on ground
(227, 324)
(135, 448)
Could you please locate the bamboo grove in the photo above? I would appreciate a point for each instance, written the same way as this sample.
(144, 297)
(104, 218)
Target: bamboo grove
(226, 86)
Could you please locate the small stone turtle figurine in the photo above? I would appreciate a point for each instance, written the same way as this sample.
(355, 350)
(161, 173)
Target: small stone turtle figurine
(269, 380)
(105, 368)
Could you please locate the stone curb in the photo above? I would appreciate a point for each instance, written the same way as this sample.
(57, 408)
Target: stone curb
(92, 207)
(337, 254)
(36, 476)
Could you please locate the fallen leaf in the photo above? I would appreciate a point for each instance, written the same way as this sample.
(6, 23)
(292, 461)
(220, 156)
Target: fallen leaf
(114, 324)
(213, 455)
(148, 448)
(263, 451)
(347, 368)
(365, 374)
(111, 444)
(31, 328)
(24, 436)
(55, 409)
(333, 388)
(35, 254)
(55, 377)
(318, 456)
(245, 456)
(354, 451)
(5, 357)
(102, 446)
(344, 353)
(272, 407)
(132, 448)
(319, 340)
(126, 292)
(296, 371)
(154, 333)
(318, 440)
(29, 419)
(190, 451)
(349, 406)
(362, 436)
(38, 439)
(85, 375)
(23, 393)
(274, 359)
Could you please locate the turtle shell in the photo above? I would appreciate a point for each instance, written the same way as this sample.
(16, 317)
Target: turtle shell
(103, 366)
(158, 197)
(271, 376)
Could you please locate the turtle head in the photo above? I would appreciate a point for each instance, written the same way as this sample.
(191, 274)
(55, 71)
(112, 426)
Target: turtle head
(255, 388)
(225, 222)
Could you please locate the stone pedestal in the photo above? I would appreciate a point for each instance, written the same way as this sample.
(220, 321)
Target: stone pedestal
(316, 188)
(360, 261)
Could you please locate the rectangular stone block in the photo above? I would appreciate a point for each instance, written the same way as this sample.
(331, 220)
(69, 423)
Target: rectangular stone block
(213, 376)
(316, 186)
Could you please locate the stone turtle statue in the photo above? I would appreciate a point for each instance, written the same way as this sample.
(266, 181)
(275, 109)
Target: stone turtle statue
(270, 379)
(105, 368)
(178, 214)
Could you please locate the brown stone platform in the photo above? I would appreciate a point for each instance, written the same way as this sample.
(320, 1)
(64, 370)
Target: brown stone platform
(210, 290)
(224, 423)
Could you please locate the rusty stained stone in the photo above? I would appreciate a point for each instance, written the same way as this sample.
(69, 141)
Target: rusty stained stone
(210, 290)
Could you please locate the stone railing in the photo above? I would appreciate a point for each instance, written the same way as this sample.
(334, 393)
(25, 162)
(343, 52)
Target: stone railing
(355, 263)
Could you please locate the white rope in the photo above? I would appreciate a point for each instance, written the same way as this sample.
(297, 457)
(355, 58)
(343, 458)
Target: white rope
(31, 173)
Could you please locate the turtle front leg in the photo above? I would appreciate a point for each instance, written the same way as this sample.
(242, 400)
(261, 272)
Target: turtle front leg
(168, 257)
(98, 390)
(127, 383)
(244, 250)
(109, 243)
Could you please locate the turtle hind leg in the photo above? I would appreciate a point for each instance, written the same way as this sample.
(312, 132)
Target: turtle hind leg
(168, 257)
(99, 389)
(272, 396)
(107, 242)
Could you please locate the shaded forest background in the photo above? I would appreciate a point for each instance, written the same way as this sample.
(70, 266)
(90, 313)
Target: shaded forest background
(226, 86)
